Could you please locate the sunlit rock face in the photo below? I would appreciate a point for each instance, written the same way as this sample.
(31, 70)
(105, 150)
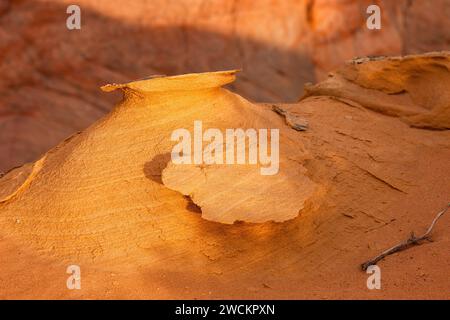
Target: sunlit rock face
(50, 75)
(119, 174)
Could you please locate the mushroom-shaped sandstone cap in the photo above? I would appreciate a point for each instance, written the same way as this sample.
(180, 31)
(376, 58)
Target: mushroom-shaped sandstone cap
(185, 82)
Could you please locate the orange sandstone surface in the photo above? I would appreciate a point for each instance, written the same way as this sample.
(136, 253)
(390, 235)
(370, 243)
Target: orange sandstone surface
(371, 166)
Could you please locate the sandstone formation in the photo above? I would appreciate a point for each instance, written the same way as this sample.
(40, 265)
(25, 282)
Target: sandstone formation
(371, 166)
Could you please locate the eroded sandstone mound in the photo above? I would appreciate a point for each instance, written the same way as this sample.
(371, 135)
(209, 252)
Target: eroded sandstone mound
(98, 199)
(224, 192)
(122, 156)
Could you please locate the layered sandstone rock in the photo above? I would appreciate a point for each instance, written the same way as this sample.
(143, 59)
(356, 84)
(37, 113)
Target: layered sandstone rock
(363, 175)
(414, 88)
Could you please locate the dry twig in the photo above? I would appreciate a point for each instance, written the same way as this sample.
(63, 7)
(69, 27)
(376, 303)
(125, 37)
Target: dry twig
(412, 240)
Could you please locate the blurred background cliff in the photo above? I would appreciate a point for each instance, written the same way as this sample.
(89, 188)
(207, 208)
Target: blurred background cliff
(50, 75)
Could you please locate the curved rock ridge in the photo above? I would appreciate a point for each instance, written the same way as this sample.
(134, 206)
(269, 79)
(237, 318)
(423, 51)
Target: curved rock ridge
(415, 88)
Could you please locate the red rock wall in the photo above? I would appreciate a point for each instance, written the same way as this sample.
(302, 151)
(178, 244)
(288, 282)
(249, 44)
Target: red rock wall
(50, 75)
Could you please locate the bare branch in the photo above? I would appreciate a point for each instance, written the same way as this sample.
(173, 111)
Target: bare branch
(412, 240)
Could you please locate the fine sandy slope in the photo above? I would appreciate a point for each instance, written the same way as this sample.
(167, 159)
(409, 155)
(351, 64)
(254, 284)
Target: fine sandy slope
(371, 167)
